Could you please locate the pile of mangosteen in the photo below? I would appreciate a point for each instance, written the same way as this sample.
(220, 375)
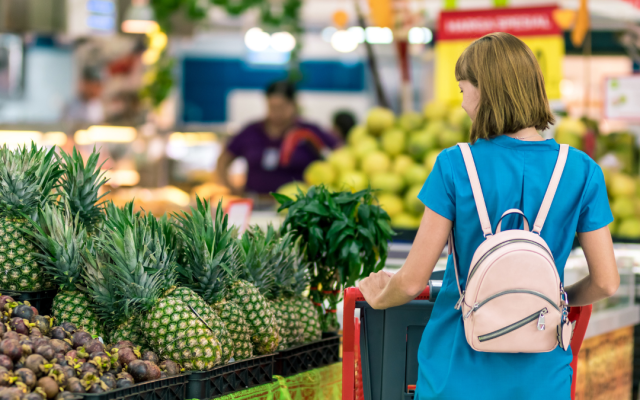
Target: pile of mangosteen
(40, 361)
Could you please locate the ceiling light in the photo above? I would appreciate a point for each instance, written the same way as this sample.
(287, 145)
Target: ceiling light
(18, 138)
(256, 39)
(100, 133)
(139, 18)
(418, 35)
(378, 35)
(344, 41)
(283, 42)
(358, 33)
(327, 33)
(54, 139)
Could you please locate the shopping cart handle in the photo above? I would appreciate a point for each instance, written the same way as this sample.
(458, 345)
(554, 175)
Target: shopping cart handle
(434, 289)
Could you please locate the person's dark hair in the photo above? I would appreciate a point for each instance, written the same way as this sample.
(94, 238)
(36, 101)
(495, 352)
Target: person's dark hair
(344, 121)
(285, 89)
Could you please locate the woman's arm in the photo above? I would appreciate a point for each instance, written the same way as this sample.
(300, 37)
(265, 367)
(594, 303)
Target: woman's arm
(383, 291)
(222, 168)
(603, 279)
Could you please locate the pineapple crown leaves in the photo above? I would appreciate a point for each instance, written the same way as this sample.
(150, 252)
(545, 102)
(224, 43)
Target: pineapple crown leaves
(290, 271)
(28, 176)
(345, 231)
(118, 219)
(207, 251)
(60, 239)
(80, 185)
(258, 258)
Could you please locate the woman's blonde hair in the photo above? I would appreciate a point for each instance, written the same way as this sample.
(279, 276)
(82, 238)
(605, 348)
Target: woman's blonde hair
(511, 85)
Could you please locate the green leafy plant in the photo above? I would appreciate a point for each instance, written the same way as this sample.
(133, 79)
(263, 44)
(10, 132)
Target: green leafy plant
(346, 235)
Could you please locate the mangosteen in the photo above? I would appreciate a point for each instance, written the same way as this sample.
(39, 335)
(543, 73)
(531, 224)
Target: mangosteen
(123, 383)
(11, 335)
(43, 323)
(124, 379)
(4, 299)
(69, 327)
(46, 351)
(74, 385)
(93, 346)
(43, 341)
(150, 356)
(69, 372)
(12, 393)
(170, 367)
(57, 332)
(153, 371)
(11, 348)
(35, 332)
(26, 350)
(126, 356)
(88, 367)
(109, 380)
(163, 375)
(116, 367)
(102, 357)
(24, 311)
(5, 377)
(80, 338)
(20, 363)
(32, 396)
(73, 354)
(26, 376)
(6, 362)
(35, 363)
(3, 329)
(139, 370)
(81, 352)
(58, 375)
(124, 344)
(66, 396)
(19, 325)
(49, 385)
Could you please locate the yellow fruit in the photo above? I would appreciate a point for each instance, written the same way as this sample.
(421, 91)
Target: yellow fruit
(352, 180)
(379, 119)
(410, 121)
(387, 182)
(621, 185)
(571, 126)
(629, 228)
(393, 141)
(569, 138)
(405, 221)
(416, 174)
(356, 133)
(420, 143)
(435, 111)
(364, 147)
(391, 203)
(401, 163)
(375, 162)
(458, 118)
(430, 159)
(342, 159)
(412, 204)
(291, 189)
(319, 172)
(450, 138)
(623, 207)
(435, 128)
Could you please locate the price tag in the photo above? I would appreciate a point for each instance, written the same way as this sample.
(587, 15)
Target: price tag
(239, 213)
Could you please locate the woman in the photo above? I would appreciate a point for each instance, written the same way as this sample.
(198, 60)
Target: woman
(503, 93)
(277, 149)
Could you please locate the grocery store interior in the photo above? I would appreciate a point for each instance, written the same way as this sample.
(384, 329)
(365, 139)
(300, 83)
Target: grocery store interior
(311, 126)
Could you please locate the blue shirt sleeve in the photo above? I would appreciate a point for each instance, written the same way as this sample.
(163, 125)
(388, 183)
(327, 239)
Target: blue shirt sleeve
(595, 212)
(438, 192)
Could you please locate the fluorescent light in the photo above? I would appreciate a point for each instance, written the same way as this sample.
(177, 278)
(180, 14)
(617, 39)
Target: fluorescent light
(419, 35)
(139, 26)
(283, 42)
(99, 133)
(327, 33)
(54, 139)
(358, 33)
(122, 177)
(377, 35)
(344, 41)
(18, 138)
(256, 39)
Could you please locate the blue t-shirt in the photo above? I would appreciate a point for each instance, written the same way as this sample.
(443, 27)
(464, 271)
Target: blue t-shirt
(513, 174)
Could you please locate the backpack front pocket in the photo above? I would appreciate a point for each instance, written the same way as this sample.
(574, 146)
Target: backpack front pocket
(539, 316)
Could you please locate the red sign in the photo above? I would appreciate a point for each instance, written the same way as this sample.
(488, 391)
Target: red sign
(472, 24)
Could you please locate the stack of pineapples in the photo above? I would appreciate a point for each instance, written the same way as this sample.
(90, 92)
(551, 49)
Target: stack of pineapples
(184, 286)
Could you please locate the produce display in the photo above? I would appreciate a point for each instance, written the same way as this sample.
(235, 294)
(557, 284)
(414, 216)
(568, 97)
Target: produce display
(393, 155)
(175, 293)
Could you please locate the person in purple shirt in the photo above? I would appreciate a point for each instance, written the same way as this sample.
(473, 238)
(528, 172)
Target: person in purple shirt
(280, 147)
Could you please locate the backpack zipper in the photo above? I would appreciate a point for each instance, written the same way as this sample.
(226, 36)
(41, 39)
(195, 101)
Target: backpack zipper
(475, 267)
(511, 291)
(539, 315)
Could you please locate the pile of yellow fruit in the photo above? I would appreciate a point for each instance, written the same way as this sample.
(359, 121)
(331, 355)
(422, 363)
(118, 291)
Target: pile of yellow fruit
(624, 198)
(392, 154)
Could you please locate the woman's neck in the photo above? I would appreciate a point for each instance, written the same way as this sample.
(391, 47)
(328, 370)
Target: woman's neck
(276, 131)
(526, 135)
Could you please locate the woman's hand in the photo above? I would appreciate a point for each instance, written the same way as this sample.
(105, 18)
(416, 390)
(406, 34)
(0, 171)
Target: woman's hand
(372, 287)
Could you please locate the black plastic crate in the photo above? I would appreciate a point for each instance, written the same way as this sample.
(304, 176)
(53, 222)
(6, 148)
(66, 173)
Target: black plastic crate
(229, 378)
(308, 356)
(173, 388)
(41, 300)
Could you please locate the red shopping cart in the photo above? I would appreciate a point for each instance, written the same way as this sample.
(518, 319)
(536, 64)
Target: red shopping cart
(379, 357)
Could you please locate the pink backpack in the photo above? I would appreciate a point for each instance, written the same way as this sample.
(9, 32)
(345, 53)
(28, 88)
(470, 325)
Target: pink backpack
(514, 301)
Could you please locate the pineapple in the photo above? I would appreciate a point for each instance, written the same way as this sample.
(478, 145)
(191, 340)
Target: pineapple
(305, 309)
(61, 239)
(207, 249)
(28, 176)
(144, 266)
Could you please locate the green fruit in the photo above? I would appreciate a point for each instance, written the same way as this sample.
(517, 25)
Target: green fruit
(450, 138)
(375, 163)
(629, 228)
(365, 146)
(459, 119)
(319, 172)
(405, 221)
(621, 185)
(393, 141)
(342, 159)
(415, 174)
(387, 182)
(430, 159)
(401, 163)
(420, 143)
(623, 207)
(352, 180)
(412, 204)
(571, 126)
(391, 203)
(379, 119)
(435, 110)
(291, 189)
(356, 133)
(410, 121)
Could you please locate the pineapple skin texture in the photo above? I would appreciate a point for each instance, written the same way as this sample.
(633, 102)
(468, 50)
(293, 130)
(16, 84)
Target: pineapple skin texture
(238, 327)
(20, 270)
(291, 327)
(209, 316)
(259, 314)
(131, 331)
(175, 333)
(310, 320)
(75, 307)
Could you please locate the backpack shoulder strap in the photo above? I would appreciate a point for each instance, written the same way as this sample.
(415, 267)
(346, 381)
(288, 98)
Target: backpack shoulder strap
(485, 223)
(551, 189)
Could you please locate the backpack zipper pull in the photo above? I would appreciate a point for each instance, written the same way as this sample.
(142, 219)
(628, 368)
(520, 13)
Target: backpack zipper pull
(475, 307)
(460, 300)
(541, 324)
